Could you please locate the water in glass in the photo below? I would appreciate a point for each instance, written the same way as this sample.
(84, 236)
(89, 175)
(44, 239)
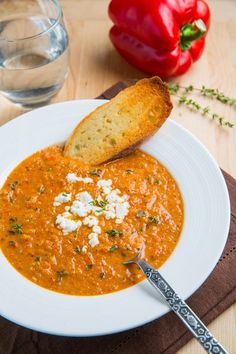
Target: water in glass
(34, 65)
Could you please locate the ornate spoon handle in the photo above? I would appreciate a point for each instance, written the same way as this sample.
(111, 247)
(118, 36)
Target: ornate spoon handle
(189, 318)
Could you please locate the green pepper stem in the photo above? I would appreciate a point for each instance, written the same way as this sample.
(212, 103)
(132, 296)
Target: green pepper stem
(191, 32)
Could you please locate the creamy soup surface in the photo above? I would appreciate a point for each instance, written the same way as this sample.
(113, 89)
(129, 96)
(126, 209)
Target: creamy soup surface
(68, 227)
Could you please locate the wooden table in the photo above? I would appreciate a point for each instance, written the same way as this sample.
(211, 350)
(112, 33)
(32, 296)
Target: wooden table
(94, 66)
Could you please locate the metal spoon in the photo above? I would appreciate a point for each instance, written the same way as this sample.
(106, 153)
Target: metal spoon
(188, 317)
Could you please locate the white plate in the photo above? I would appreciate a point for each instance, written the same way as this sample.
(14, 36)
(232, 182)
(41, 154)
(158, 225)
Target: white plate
(207, 216)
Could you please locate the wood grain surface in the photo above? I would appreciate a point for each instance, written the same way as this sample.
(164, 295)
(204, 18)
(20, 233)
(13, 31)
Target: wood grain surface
(95, 65)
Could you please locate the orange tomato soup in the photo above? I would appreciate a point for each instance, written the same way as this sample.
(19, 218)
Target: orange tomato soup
(68, 227)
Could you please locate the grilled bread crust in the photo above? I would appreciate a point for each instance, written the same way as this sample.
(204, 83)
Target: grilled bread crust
(117, 127)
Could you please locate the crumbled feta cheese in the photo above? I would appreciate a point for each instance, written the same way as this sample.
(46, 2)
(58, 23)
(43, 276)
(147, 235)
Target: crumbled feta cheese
(109, 214)
(67, 225)
(87, 180)
(66, 214)
(104, 183)
(122, 210)
(62, 198)
(84, 249)
(125, 197)
(84, 197)
(119, 221)
(93, 239)
(90, 221)
(72, 178)
(80, 209)
(113, 197)
(97, 229)
(109, 203)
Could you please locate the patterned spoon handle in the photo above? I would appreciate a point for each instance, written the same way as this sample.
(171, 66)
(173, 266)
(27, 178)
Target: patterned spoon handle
(188, 317)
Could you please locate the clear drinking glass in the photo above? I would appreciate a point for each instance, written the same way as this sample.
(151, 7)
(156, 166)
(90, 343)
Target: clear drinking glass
(33, 50)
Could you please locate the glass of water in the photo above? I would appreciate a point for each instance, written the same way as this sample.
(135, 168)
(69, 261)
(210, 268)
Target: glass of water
(33, 51)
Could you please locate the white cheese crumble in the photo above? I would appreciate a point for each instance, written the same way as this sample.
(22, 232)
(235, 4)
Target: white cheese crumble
(72, 178)
(67, 225)
(62, 198)
(97, 229)
(90, 221)
(84, 249)
(86, 210)
(109, 214)
(80, 209)
(119, 221)
(93, 239)
(84, 197)
(104, 183)
(122, 210)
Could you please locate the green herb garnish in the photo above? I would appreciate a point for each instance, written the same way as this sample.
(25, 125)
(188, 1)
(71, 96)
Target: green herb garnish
(113, 248)
(114, 232)
(99, 203)
(89, 266)
(38, 259)
(61, 274)
(128, 172)
(154, 219)
(12, 243)
(157, 181)
(13, 185)
(140, 214)
(15, 227)
(64, 194)
(77, 249)
(102, 275)
(41, 189)
(96, 173)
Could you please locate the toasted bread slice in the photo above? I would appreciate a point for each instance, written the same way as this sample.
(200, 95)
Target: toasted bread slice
(120, 125)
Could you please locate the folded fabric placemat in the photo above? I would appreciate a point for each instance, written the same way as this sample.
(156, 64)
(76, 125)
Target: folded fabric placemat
(165, 335)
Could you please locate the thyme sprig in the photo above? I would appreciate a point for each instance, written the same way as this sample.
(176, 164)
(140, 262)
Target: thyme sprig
(181, 92)
(204, 111)
(204, 91)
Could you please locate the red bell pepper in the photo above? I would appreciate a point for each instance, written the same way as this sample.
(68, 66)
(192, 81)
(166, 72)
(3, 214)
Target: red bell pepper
(160, 37)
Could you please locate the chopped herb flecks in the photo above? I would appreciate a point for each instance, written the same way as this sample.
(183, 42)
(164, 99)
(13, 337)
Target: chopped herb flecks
(41, 189)
(77, 249)
(96, 173)
(114, 232)
(99, 203)
(157, 181)
(15, 227)
(61, 274)
(38, 259)
(12, 243)
(13, 185)
(154, 219)
(89, 266)
(113, 248)
(129, 172)
(102, 275)
(140, 214)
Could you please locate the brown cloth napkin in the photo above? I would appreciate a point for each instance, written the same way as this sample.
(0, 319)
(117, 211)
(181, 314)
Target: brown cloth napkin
(163, 336)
